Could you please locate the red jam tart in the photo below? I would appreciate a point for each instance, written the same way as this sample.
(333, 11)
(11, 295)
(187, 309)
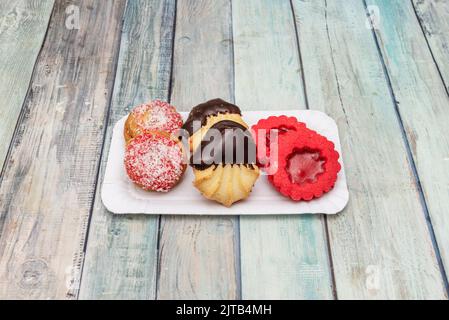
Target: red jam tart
(155, 161)
(307, 163)
(307, 168)
(285, 126)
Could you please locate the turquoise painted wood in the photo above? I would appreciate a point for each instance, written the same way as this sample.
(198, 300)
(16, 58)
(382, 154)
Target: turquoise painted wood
(423, 106)
(282, 257)
(198, 254)
(434, 18)
(380, 245)
(47, 189)
(22, 30)
(121, 257)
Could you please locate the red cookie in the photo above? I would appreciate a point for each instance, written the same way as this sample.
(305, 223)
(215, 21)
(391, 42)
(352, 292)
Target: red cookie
(307, 164)
(155, 162)
(307, 167)
(285, 126)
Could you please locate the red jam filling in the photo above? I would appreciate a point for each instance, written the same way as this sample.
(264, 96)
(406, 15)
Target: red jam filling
(304, 166)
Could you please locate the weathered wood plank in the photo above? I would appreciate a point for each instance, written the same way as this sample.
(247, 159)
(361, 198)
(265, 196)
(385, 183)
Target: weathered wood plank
(197, 254)
(281, 257)
(22, 30)
(47, 190)
(121, 257)
(380, 244)
(434, 18)
(423, 105)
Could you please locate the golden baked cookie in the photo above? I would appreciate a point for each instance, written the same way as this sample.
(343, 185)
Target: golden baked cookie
(215, 129)
(226, 183)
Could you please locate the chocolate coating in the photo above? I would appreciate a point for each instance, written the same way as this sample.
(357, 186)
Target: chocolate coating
(213, 150)
(209, 108)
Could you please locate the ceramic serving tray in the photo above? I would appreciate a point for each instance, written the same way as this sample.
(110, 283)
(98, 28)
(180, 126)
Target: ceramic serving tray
(121, 196)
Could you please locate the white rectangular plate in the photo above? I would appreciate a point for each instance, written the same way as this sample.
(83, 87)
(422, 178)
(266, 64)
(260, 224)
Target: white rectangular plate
(121, 196)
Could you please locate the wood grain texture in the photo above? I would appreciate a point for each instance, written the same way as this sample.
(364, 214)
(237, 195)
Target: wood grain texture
(423, 103)
(198, 254)
(434, 18)
(22, 30)
(121, 257)
(282, 257)
(380, 245)
(47, 189)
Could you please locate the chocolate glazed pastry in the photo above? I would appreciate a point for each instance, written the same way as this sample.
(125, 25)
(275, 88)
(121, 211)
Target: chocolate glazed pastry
(205, 115)
(201, 112)
(224, 152)
(235, 137)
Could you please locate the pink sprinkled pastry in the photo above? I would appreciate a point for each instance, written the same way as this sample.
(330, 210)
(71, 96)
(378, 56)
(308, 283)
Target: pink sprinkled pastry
(154, 116)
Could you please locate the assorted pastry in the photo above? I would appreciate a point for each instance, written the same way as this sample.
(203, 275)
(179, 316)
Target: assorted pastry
(154, 157)
(223, 152)
(306, 163)
(226, 156)
(154, 116)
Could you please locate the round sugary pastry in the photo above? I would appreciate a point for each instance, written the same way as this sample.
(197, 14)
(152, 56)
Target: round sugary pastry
(153, 116)
(307, 167)
(155, 161)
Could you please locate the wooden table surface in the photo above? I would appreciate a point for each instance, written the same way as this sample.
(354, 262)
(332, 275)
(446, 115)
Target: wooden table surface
(70, 69)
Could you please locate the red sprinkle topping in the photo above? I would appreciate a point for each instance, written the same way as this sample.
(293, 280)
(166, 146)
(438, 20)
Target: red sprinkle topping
(154, 162)
(157, 116)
